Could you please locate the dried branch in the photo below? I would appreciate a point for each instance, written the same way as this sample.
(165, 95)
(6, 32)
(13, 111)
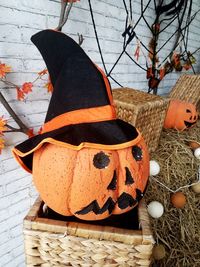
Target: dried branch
(80, 39)
(65, 10)
(23, 127)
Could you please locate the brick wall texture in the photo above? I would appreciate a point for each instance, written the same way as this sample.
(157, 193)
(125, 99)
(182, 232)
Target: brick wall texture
(18, 21)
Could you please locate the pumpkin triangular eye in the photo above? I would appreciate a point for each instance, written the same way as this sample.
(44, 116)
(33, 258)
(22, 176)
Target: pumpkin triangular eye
(188, 111)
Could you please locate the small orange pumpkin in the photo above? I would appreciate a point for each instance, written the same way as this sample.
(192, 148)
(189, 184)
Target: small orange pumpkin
(90, 183)
(180, 115)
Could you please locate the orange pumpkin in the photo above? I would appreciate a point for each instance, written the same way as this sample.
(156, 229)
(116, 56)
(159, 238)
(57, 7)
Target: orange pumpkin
(90, 183)
(85, 162)
(180, 115)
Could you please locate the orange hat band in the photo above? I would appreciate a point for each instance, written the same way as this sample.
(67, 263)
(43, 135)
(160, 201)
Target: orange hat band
(96, 114)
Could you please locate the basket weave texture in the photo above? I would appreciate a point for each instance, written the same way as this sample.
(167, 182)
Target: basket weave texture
(144, 111)
(59, 243)
(187, 88)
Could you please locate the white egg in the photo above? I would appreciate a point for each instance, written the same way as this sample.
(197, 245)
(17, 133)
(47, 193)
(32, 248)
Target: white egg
(154, 168)
(196, 188)
(155, 209)
(197, 153)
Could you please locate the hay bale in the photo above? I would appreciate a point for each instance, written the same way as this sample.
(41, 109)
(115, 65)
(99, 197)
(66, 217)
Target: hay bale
(178, 230)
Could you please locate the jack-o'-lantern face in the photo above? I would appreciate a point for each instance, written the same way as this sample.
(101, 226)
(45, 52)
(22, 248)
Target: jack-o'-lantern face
(91, 184)
(180, 115)
(191, 117)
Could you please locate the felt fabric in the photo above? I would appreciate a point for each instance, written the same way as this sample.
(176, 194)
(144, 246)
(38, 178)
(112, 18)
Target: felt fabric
(78, 85)
(77, 82)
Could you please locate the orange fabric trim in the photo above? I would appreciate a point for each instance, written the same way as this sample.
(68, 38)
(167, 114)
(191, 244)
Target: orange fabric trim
(87, 115)
(18, 154)
(21, 163)
(108, 88)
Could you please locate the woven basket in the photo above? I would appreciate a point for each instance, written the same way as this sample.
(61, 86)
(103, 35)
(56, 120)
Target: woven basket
(144, 111)
(50, 242)
(187, 88)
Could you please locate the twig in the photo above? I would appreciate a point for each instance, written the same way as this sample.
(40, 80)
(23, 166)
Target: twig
(181, 187)
(80, 39)
(23, 127)
(65, 10)
(62, 13)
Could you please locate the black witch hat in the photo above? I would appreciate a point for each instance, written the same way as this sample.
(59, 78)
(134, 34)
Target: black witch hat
(81, 111)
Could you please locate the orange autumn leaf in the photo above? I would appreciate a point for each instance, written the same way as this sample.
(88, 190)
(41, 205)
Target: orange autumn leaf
(2, 125)
(27, 87)
(176, 58)
(187, 66)
(30, 133)
(149, 73)
(162, 73)
(2, 144)
(49, 86)
(4, 69)
(20, 94)
(137, 52)
(43, 72)
(40, 130)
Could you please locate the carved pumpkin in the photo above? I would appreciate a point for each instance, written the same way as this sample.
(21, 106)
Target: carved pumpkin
(85, 162)
(90, 183)
(180, 115)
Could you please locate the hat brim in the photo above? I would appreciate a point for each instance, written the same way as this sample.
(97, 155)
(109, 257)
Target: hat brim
(110, 135)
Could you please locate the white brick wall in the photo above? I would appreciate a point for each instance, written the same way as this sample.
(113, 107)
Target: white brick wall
(18, 21)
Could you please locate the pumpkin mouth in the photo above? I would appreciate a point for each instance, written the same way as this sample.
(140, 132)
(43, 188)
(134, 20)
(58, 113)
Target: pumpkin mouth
(189, 124)
(94, 206)
(124, 201)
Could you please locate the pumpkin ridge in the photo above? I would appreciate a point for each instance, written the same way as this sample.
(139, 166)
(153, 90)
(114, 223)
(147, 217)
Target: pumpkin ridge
(118, 171)
(70, 191)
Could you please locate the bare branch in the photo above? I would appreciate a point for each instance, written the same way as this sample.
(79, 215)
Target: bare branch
(80, 39)
(23, 127)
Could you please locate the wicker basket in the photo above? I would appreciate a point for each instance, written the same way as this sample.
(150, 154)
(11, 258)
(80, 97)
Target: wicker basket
(50, 242)
(187, 88)
(145, 111)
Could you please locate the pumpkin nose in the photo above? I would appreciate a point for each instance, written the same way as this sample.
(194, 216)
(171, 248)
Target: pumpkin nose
(113, 183)
(129, 178)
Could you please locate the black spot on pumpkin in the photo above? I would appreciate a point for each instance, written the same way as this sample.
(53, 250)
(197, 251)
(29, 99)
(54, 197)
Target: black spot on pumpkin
(129, 178)
(101, 160)
(137, 153)
(188, 111)
(113, 183)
